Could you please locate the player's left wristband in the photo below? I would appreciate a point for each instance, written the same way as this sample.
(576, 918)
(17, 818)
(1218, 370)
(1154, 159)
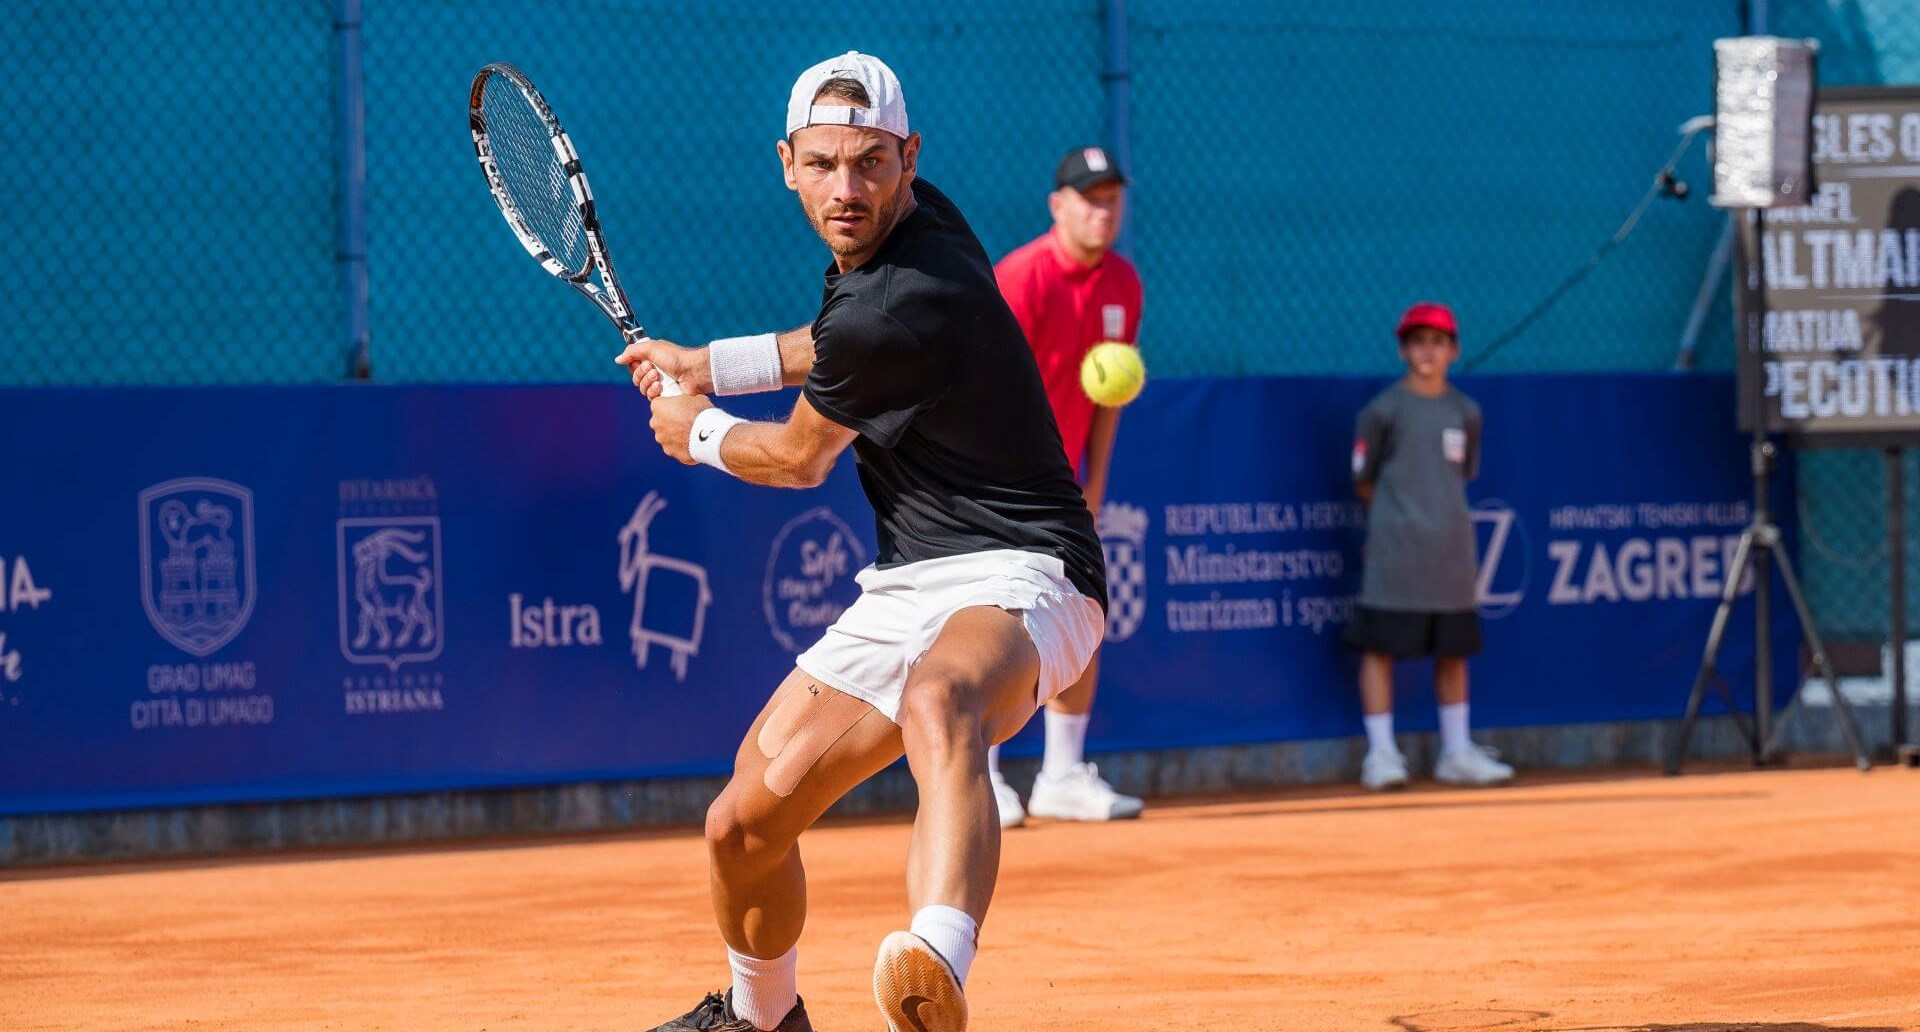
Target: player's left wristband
(745, 365)
(709, 429)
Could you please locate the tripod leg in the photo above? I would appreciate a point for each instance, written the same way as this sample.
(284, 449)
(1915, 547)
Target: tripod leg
(1741, 556)
(1841, 709)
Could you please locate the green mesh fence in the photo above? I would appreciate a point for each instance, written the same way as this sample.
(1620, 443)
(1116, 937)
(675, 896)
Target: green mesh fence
(169, 193)
(676, 114)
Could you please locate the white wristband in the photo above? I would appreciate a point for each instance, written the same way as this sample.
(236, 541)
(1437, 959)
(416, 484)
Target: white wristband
(709, 429)
(745, 365)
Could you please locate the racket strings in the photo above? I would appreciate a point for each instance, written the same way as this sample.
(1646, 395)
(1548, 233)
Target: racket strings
(535, 180)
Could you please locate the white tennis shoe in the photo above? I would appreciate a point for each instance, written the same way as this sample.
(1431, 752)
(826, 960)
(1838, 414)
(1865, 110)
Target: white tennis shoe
(1080, 794)
(915, 987)
(1383, 769)
(1007, 801)
(1472, 766)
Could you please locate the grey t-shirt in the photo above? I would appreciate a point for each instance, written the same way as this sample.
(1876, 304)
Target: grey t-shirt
(1419, 454)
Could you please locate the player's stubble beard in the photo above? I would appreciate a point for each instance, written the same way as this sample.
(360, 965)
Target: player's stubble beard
(880, 221)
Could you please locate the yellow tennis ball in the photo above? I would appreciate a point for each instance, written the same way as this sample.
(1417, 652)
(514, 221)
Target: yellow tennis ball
(1112, 373)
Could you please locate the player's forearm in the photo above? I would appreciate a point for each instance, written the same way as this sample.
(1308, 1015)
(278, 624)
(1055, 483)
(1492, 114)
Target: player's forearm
(796, 355)
(747, 365)
(1100, 437)
(765, 454)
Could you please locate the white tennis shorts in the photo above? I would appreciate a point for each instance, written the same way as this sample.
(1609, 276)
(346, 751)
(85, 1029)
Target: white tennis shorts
(867, 652)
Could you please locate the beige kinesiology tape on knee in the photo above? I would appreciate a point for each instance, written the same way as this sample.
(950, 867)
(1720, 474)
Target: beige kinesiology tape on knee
(801, 730)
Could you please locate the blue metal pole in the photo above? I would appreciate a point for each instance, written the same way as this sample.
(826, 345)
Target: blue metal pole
(352, 254)
(1117, 76)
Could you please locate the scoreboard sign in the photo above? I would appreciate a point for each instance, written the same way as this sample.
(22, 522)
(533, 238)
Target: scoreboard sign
(1830, 293)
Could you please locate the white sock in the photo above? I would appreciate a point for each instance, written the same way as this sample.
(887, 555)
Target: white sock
(1379, 732)
(993, 762)
(1066, 742)
(952, 934)
(764, 990)
(1453, 727)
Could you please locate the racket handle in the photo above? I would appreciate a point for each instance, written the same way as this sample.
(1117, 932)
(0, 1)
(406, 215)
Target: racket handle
(669, 387)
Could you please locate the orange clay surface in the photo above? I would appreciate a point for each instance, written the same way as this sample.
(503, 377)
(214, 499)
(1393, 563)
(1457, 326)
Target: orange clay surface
(1772, 902)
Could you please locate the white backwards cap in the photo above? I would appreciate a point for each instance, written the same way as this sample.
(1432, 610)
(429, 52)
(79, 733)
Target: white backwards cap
(889, 110)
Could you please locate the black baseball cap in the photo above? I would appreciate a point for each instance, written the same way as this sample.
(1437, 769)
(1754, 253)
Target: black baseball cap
(1085, 167)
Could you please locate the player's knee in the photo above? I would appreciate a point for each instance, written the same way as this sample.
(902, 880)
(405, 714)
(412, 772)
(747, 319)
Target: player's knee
(739, 838)
(936, 716)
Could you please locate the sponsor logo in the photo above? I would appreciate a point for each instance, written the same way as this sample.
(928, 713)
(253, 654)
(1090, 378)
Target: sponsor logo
(391, 589)
(911, 1006)
(545, 625)
(1123, 540)
(670, 596)
(1113, 321)
(391, 594)
(810, 577)
(18, 593)
(1506, 564)
(196, 561)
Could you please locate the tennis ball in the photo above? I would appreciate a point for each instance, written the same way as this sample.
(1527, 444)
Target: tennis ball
(1112, 373)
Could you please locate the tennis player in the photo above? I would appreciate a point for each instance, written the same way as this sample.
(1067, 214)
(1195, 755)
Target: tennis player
(1070, 291)
(988, 595)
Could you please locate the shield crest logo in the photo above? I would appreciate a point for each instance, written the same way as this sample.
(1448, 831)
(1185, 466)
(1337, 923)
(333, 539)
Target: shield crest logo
(391, 608)
(196, 561)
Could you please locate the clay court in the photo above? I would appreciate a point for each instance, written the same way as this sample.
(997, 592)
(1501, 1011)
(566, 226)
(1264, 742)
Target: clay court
(1772, 902)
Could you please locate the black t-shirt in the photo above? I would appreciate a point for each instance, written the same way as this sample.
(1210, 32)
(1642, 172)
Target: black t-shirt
(958, 450)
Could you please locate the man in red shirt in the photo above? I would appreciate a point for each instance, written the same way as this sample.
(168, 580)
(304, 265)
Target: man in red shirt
(1070, 291)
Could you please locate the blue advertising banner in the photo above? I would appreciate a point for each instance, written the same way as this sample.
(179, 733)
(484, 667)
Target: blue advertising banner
(1607, 511)
(212, 595)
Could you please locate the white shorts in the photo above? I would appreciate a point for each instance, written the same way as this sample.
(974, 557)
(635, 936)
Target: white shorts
(867, 652)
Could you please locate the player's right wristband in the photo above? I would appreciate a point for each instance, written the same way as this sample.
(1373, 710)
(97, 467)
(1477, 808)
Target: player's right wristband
(745, 365)
(703, 438)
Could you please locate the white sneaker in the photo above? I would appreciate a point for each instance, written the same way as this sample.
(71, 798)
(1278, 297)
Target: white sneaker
(1474, 766)
(1007, 801)
(1383, 769)
(915, 988)
(1080, 794)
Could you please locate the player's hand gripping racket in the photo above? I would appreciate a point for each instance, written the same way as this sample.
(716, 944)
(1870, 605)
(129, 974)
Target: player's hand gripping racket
(535, 177)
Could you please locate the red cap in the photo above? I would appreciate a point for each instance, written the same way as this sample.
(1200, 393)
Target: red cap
(1429, 314)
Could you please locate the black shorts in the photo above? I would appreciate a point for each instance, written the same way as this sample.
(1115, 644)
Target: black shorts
(1406, 634)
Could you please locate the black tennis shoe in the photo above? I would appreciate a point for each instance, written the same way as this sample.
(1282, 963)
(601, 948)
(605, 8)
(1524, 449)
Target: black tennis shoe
(715, 1014)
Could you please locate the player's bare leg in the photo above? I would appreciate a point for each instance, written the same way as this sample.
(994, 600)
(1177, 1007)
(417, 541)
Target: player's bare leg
(1450, 680)
(1068, 788)
(809, 746)
(1383, 767)
(975, 686)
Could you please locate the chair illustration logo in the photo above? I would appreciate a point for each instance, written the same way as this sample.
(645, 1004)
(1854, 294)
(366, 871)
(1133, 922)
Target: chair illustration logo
(670, 596)
(1123, 539)
(196, 561)
(391, 590)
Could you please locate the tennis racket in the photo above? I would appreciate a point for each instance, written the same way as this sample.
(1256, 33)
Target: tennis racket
(535, 177)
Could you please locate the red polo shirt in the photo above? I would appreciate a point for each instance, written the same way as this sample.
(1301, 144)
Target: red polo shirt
(1065, 309)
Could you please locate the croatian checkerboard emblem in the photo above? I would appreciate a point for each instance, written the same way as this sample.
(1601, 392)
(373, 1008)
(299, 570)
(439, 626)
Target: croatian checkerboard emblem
(390, 589)
(1123, 538)
(196, 561)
